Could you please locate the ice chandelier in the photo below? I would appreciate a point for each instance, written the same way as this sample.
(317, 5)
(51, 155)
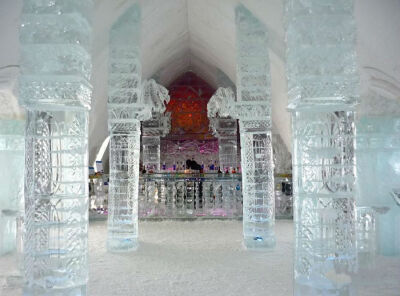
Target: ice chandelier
(54, 88)
(322, 83)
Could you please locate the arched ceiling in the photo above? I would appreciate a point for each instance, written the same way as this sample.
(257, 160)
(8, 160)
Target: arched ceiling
(182, 35)
(199, 35)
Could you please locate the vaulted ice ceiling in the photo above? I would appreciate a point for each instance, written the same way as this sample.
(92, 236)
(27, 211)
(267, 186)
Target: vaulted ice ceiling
(199, 35)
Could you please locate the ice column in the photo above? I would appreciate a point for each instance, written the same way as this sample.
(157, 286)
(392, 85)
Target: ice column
(253, 109)
(322, 83)
(12, 158)
(54, 88)
(156, 96)
(125, 111)
(225, 129)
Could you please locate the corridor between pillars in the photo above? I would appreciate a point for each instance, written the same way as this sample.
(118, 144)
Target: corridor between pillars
(323, 92)
(56, 67)
(253, 109)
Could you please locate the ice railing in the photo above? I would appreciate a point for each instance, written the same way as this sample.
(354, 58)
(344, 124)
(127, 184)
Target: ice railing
(211, 195)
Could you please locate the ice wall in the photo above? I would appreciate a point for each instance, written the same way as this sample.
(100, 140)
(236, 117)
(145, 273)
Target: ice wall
(378, 170)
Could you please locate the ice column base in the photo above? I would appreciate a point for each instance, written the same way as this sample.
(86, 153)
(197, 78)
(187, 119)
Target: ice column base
(258, 235)
(73, 291)
(123, 244)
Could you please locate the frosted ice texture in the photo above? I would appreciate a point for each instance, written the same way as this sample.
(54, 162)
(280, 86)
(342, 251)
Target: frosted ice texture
(155, 96)
(125, 111)
(54, 88)
(12, 158)
(323, 82)
(253, 109)
(378, 171)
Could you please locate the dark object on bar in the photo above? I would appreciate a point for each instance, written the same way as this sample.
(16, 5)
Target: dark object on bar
(192, 164)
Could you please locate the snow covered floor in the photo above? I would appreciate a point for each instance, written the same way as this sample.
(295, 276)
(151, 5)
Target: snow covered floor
(204, 258)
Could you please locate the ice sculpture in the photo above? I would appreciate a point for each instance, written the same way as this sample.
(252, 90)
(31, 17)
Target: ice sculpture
(54, 88)
(322, 83)
(11, 181)
(253, 109)
(125, 111)
(156, 96)
(225, 130)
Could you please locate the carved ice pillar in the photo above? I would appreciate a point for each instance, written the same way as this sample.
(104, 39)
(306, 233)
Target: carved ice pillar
(54, 88)
(253, 109)
(322, 83)
(125, 111)
(153, 129)
(225, 129)
(155, 96)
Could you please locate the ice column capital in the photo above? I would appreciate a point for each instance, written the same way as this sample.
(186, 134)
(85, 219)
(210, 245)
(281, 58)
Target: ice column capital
(158, 125)
(223, 127)
(321, 60)
(55, 60)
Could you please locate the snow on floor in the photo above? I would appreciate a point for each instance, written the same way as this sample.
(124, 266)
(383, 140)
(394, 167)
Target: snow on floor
(204, 258)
